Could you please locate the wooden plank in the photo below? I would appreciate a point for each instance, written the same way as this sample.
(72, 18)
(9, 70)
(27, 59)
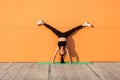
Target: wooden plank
(33, 71)
(2, 74)
(106, 71)
(116, 63)
(23, 71)
(4, 68)
(0, 64)
(37, 72)
(12, 71)
(113, 68)
(71, 72)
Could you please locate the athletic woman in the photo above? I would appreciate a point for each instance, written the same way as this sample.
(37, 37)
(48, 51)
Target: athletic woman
(62, 38)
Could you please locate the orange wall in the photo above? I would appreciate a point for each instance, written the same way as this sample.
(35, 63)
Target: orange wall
(22, 41)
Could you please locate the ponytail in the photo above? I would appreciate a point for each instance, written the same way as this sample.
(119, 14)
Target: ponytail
(62, 59)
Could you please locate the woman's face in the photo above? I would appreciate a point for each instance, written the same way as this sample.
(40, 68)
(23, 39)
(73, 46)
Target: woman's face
(62, 51)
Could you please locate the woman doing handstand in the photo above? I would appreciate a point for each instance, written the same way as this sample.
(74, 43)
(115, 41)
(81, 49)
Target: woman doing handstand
(62, 38)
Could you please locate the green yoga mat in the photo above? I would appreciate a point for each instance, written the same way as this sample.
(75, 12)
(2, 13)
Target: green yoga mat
(65, 63)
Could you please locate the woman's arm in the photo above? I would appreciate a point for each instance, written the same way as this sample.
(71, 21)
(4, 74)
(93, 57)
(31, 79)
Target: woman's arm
(56, 51)
(68, 55)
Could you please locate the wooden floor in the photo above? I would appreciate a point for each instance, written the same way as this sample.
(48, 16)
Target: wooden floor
(34, 71)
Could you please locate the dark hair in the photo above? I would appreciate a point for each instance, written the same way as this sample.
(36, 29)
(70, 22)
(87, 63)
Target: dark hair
(62, 59)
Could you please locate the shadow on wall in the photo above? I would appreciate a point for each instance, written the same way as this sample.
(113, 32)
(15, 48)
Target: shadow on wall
(71, 48)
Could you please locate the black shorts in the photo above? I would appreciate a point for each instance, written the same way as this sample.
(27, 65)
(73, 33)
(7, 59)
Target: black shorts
(61, 43)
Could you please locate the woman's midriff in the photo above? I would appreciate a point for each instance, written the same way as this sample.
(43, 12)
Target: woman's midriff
(62, 39)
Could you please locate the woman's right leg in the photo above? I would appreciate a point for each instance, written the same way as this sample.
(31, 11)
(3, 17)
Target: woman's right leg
(53, 29)
(73, 30)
